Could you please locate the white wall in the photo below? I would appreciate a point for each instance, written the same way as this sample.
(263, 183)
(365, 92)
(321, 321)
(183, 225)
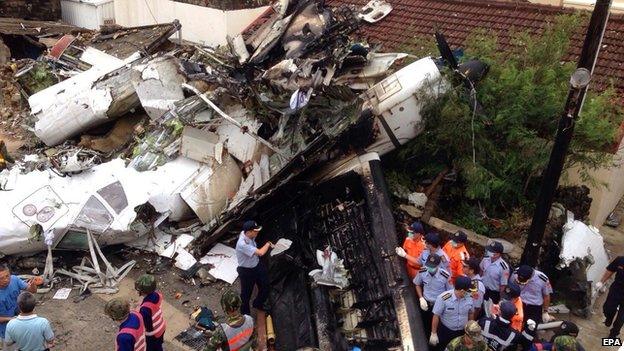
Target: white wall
(617, 6)
(604, 199)
(199, 24)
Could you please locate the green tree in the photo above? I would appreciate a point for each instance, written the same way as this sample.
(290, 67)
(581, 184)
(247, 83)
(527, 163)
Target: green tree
(500, 154)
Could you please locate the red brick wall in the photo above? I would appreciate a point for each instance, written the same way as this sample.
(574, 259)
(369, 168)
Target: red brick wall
(44, 10)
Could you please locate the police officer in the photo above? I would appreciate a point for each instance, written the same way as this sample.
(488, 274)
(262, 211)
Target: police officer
(433, 242)
(451, 312)
(413, 246)
(237, 333)
(498, 333)
(495, 271)
(151, 311)
(430, 282)
(456, 250)
(251, 271)
(535, 294)
(477, 290)
(472, 340)
(131, 335)
(614, 304)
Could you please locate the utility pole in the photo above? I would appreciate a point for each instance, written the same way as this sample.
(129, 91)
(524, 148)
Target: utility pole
(578, 87)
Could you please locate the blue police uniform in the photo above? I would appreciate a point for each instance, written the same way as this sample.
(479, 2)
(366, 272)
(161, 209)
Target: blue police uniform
(251, 273)
(532, 294)
(454, 313)
(433, 284)
(495, 274)
(445, 262)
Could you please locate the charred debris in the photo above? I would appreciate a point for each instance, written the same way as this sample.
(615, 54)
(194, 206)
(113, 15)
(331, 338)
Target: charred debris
(131, 136)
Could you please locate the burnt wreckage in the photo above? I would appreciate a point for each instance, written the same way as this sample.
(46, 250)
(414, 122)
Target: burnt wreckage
(287, 128)
(331, 199)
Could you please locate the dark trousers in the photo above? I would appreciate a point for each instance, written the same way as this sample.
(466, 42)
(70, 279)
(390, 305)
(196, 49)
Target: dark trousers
(249, 278)
(614, 304)
(427, 316)
(445, 335)
(533, 312)
(154, 344)
(491, 294)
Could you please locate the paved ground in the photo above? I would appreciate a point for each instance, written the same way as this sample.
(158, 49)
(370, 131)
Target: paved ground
(593, 329)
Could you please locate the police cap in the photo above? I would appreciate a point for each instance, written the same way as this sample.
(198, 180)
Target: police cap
(462, 283)
(417, 227)
(433, 238)
(495, 247)
(460, 237)
(524, 273)
(433, 261)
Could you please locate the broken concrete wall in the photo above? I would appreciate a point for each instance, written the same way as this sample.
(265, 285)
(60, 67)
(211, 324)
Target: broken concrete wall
(44, 10)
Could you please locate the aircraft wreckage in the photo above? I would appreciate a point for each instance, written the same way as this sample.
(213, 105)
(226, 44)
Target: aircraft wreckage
(286, 125)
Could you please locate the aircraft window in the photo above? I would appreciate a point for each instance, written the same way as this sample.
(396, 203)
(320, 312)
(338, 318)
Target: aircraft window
(73, 240)
(94, 216)
(115, 195)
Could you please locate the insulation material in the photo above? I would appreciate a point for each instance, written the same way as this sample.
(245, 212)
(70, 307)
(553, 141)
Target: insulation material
(210, 191)
(224, 262)
(239, 144)
(160, 87)
(88, 200)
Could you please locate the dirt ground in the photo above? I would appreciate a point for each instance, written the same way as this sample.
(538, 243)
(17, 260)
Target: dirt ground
(84, 326)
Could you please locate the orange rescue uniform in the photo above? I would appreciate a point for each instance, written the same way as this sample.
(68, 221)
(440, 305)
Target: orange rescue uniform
(413, 247)
(456, 257)
(518, 318)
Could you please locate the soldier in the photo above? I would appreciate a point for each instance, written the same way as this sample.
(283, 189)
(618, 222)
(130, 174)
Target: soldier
(498, 333)
(150, 309)
(614, 304)
(413, 245)
(451, 312)
(430, 282)
(237, 333)
(566, 328)
(535, 293)
(477, 291)
(495, 271)
(472, 340)
(457, 253)
(131, 335)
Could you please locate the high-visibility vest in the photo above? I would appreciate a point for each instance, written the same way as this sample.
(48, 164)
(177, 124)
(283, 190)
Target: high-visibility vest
(456, 257)
(239, 336)
(518, 318)
(158, 322)
(137, 334)
(413, 248)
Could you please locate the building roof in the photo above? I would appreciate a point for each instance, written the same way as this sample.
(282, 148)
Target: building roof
(456, 19)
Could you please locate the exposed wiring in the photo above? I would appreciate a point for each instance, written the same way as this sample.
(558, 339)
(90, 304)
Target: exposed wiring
(150, 11)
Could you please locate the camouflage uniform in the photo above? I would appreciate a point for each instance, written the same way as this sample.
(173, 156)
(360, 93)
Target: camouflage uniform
(230, 301)
(565, 343)
(472, 331)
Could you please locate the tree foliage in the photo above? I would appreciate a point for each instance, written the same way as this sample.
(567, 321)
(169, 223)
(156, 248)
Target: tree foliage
(522, 97)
